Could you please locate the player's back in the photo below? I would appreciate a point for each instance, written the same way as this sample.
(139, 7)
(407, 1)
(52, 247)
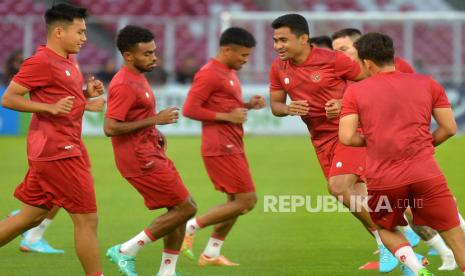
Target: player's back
(395, 113)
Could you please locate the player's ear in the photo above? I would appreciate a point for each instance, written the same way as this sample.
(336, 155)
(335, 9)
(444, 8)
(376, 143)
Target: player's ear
(303, 39)
(128, 56)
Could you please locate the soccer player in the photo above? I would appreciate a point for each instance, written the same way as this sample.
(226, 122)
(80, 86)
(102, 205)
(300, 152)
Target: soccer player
(59, 173)
(130, 121)
(215, 99)
(315, 80)
(343, 40)
(323, 41)
(401, 169)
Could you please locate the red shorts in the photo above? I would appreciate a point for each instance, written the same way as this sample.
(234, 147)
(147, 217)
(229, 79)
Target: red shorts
(337, 159)
(161, 188)
(65, 182)
(431, 202)
(230, 173)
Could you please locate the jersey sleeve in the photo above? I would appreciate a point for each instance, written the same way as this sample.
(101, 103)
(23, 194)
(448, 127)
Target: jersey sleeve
(349, 103)
(440, 99)
(202, 87)
(275, 83)
(345, 67)
(33, 73)
(120, 100)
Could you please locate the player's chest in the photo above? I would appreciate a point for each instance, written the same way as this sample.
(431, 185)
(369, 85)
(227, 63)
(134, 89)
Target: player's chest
(309, 80)
(229, 88)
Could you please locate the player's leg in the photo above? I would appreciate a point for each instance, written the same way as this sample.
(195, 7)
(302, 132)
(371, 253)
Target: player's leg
(342, 186)
(13, 226)
(388, 219)
(172, 244)
(434, 241)
(438, 210)
(455, 238)
(124, 255)
(86, 242)
(33, 238)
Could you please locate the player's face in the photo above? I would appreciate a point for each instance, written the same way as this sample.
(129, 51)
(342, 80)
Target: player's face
(345, 45)
(287, 44)
(143, 56)
(237, 56)
(73, 35)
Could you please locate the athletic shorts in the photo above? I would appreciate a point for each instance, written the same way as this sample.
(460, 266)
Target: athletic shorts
(162, 188)
(338, 159)
(431, 201)
(230, 173)
(65, 182)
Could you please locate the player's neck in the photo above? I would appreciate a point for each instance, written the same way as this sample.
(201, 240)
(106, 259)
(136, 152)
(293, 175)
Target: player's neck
(57, 49)
(386, 69)
(133, 69)
(221, 59)
(302, 56)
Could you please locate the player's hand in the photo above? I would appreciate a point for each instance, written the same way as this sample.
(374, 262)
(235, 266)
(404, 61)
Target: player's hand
(298, 108)
(62, 107)
(238, 115)
(95, 87)
(95, 105)
(162, 142)
(256, 102)
(333, 108)
(169, 115)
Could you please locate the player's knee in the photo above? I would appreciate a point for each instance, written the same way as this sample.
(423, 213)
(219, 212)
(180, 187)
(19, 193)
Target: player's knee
(336, 187)
(248, 203)
(189, 208)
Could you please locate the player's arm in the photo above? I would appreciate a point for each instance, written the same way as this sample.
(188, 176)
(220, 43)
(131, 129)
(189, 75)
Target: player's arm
(113, 127)
(202, 87)
(14, 99)
(348, 134)
(95, 105)
(447, 127)
(279, 107)
(333, 108)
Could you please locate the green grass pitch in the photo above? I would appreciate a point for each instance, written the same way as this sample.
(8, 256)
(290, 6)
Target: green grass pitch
(299, 243)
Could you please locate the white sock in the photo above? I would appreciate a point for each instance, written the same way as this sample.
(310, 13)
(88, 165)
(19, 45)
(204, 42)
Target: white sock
(35, 234)
(132, 246)
(406, 255)
(438, 243)
(377, 237)
(192, 226)
(462, 222)
(213, 248)
(168, 263)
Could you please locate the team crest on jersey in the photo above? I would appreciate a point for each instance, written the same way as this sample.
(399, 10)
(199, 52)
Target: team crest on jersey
(67, 73)
(286, 80)
(231, 82)
(316, 77)
(147, 95)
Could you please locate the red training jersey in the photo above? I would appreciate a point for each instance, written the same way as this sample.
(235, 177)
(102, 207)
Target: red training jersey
(323, 76)
(396, 124)
(130, 98)
(216, 88)
(49, 78)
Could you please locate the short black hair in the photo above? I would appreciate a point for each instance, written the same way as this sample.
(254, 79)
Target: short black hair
(353, 33)
(237, 36)
(376, 47)
(322, 41)
(63, 13)
(129, 36)
(295, 22)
